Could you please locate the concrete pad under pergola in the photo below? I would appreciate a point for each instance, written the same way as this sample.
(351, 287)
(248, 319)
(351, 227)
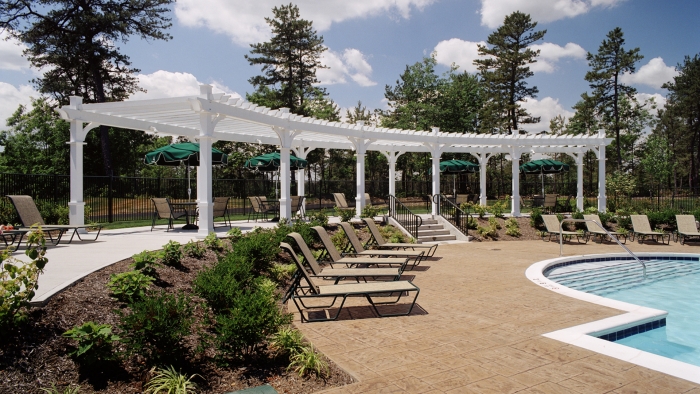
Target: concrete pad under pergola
(209, 117)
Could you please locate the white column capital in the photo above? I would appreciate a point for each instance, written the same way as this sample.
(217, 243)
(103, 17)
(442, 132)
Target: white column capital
(286, 136)
(301, 152)
(361, 144)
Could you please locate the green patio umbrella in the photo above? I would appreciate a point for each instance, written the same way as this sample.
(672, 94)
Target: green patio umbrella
(271, 162)
(542, 167)
(186, 153)
(456, 167)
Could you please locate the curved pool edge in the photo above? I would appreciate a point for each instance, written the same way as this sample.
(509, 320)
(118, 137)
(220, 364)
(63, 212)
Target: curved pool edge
(584, 335)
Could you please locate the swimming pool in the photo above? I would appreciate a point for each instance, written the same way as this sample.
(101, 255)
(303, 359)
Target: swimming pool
(661, 327)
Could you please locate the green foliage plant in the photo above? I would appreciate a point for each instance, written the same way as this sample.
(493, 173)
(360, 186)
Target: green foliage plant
(369, 211)
(512, 227)
(620, 186)
(319, 218)
(55, 390)
(476, 208)
(169, 381)
(172, 254)
(156, 326)
(146, 263)
(129, 287)
(212, 242)
(19, 280)
(339, 240)
(345, 214)
(392, 234)
(260, 248)
(194, 249)
(493, 222)
(472, 223)
(234, 234)
(307, 362)
(487, 231)
(499, 207)
(95, 343)
(221, 284)
(282, 272)
(287, 340)
(536, 220)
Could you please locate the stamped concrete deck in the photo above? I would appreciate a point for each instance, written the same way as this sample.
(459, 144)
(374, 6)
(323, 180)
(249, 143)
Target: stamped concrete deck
(478, 330)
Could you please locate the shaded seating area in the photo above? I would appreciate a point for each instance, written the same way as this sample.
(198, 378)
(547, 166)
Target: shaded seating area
(30, 216)
(340, 201)
(163, 210)
(595, 231)
(378, 240)
(552, 224)
(687, 228)
(260, 208)
(641, 229)
(221, 210)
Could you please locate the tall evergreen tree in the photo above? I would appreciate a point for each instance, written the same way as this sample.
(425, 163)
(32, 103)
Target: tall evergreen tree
(76, 39)
(289, 62)
(607, 66)
(504, 71)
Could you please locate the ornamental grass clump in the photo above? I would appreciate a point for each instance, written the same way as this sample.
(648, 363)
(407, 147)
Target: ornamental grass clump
(169, 381)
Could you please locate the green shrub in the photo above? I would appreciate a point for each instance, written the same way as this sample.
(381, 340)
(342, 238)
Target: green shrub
(308, 361)
(55, 390)
(234, 234)
(19, 279)
(472, 223)
(623, 222)
(213, 242)
(172, 254)
(499, 207)
(512, 227)
(536, 220)
(129, 286)
(392, 234)
(369, 211)
(260, 248)
(345, 214)
(287, 340)
(282, 272)
(493, 222)
(94, 343)
(319, 218)
(664, 217)
(476, 208)
(220, 284)
(146, 263)
(339, 240)
(252, 317)
(194, 250)
(487, 232)
(169, 381)
(284, 227)
(578, 215)
(156, 327)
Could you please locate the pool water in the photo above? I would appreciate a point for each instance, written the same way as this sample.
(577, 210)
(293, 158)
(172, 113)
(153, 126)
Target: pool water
(672, 286)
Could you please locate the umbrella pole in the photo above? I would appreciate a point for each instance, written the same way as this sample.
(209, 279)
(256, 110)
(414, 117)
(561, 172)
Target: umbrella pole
(542, 179)
(189, 189)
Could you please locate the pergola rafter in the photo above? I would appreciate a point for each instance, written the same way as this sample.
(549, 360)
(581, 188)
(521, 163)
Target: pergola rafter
(210, 117)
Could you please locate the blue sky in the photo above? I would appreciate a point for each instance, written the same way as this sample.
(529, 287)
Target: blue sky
(371, 41)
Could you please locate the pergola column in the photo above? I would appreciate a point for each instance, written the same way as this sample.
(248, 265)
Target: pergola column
(435, 150)
(205, 196)
(76, 205)
(483, 159)
(515, 168)
(360, 145)
(391, 157)
(286, 138)
(301, 153)
(602, 200)
(579, 181)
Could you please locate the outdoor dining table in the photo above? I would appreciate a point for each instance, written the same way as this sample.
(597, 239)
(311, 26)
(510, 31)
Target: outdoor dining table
(537, 201)
(190, 208)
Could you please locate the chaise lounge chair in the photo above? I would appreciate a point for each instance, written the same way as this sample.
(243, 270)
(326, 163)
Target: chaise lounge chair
(686, 228)
(642, 229)
(551, 222)
(301, 295)
(364, 261)
(382, 244)
(30, 216)
(595, 231)
(340, 273)
(356, 245)
(340, 201)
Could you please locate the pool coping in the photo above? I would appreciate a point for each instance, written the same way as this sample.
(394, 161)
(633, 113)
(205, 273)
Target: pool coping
(584, 335)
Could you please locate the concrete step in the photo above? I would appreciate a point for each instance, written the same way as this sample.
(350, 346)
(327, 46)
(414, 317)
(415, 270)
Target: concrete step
(431, 227)
(431, 233)
(436, 238)
(429, 221)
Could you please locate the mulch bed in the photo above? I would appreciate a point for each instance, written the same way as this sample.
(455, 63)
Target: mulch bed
(34, 355)
(528, 233)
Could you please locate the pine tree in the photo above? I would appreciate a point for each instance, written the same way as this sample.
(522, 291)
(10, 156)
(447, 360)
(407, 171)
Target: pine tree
(607, 66)
(76, 39)
(504, 71)
(289, 63)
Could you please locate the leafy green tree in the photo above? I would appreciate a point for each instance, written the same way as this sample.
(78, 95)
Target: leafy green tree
(658, 161)
(504, 70)
(607, 66)
(289, 62)
(75, 40)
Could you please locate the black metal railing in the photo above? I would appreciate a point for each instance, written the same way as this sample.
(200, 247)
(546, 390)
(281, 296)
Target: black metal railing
(407, 219)
(452, 213)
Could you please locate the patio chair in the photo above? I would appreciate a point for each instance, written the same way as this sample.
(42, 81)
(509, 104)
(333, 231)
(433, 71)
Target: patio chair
(336, 258)
(380, 243)
(301, 295)
(221, 210)
(523, 205)
(298, 206)
(461, 198)
(687, 228)
(358, 249)
(551, 222)
(595, 231)
(550, 202)
(259, 209)
(30, 216)
(641, 229)
(163, 210)
(474, 199)
(340, 201)
(339, 273)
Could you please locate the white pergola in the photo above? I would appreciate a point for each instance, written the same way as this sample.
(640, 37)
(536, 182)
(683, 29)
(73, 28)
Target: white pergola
(210, 117)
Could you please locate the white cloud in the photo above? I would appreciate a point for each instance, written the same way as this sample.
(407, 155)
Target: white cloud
(351, 63)
(551, 53)
(244, 23)
(460, 52)
(494, 11)
(659, 101)
(11, 98)
(547, 108)
(11, 54)
(654, 74)
(161, 84)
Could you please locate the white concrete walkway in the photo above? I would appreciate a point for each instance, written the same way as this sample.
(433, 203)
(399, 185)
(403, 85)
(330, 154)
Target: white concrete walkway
(70, 262)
